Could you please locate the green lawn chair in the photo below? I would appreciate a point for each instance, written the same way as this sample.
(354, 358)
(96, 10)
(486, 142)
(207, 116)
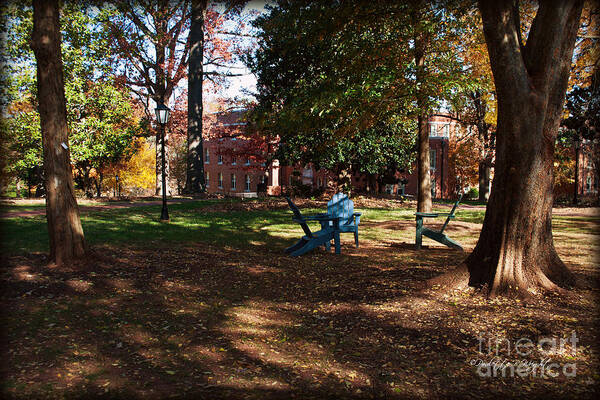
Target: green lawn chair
(438, 236)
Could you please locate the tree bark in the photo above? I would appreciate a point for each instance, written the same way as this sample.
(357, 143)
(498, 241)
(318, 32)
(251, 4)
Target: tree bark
(423, 162)
(515, 252)
(423, 166)
(62, 213)
(195, 154)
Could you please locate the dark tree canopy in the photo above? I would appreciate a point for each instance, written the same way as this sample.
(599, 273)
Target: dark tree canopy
(336, 78)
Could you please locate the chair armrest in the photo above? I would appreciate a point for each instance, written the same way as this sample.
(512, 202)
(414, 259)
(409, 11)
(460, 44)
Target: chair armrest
(318, 217)
(427, 215)
(325, 220)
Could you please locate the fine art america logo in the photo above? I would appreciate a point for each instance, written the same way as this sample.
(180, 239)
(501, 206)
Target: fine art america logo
(495, 354)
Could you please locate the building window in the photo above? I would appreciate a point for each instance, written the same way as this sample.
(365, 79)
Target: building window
(447, 130)
(319, 182)
(206, 157)
(233, 160)
(432, 160)
(233, 181)
(247, 161)
(247, 188)
(220, 182)
(588, 184)
(220, 161)
(432, 129)
(206, 179)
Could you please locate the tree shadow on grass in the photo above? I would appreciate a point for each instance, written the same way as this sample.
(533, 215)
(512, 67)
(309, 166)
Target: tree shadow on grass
(212, 316)
(146, 332)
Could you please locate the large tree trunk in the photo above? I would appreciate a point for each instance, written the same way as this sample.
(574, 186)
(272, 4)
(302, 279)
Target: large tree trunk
(515, 250)
(62, 213)
(423, 162)
(195, 154)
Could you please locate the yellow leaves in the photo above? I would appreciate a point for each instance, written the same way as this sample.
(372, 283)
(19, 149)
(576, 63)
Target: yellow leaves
(140, 170)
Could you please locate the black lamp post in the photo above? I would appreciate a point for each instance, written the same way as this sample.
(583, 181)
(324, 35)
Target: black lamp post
(162, 116)
(117, 191)
(576, 142)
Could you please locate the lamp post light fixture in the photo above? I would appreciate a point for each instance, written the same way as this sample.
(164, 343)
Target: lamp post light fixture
(162, 116)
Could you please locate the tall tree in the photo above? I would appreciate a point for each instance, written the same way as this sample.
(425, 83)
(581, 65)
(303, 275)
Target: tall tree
(335, 76)
(195, 155)
(515, 250)
(421, 39)
(62, 213)
(150, 43)
(208, 48)
(320, 87)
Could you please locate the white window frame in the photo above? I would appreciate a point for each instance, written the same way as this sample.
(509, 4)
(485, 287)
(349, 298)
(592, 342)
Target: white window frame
(220, 181)
(233, 182)
(220, 159)
(432, 159)
(207, 179)
(206, 156)
(247, 183)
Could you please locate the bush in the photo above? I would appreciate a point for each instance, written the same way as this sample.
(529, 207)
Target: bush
(472, 194)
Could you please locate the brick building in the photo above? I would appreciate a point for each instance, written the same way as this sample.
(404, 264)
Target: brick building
(233, 167)
(232, 164)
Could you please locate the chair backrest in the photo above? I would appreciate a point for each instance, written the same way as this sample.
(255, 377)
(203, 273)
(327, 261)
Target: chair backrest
(341, 206)
(451, 215)
(298, 216)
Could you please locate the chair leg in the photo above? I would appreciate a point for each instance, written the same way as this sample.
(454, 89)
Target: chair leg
(419, 233)
(356, 237)
(336, 240)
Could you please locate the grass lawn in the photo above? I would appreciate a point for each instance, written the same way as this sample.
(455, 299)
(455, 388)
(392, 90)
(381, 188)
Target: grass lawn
(208, 306)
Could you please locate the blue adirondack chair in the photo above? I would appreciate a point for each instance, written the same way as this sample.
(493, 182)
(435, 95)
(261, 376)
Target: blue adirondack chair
(438, 236)
(342, 207)
(314, 239)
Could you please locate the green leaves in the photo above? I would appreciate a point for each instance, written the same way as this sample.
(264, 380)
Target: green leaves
(336, 79)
